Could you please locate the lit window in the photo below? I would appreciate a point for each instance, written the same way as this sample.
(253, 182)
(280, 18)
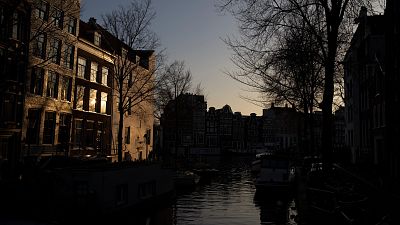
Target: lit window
(92, 100)
(104, 75)
(80, 93)
(93, 71)
(97, 39)
(52, 86)
(103, 106)
(81, 67)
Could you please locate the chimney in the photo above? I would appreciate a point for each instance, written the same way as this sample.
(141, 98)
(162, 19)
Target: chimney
(92, 21)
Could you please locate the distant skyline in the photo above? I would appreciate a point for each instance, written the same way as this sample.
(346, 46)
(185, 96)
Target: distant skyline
(191, 30)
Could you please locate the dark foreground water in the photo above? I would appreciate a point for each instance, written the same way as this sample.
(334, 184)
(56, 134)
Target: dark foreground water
(228, 198)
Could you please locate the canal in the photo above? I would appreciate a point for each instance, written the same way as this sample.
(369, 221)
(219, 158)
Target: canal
(228, 198)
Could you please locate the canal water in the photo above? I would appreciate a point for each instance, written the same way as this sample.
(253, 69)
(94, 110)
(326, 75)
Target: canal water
(228, 198)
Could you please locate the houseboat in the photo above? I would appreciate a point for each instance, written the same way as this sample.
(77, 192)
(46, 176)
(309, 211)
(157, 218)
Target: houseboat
(275, 173)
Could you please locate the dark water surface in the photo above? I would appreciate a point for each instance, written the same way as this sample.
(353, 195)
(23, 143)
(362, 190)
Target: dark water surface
(228, 198)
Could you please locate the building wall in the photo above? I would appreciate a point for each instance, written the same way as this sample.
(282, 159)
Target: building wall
(45, 102)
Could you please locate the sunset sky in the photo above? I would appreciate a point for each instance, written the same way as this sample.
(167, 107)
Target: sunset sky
(191, 30)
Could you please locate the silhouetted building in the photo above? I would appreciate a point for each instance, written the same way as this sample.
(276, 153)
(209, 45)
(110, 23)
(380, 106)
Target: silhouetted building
(391, 145)
(183, 124)
(14, 43)
(364, 90)
(282, 127)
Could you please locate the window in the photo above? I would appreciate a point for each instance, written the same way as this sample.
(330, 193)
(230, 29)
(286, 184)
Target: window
(92, 100)
(99, 137)
(71, 25)
(81, 67)
(121, 194)
(3, 28)
(80, 93)
(49, 127)
(32, 133)
(94, 67)
(130, 106)
(78, 132)
(41, 10)
(148, 136)
(39, 47)
(52, 85)
(89, 133)
(104, 75)
(69, 56)
(130, 79)
(57, 17)
(55, 51)
(16, 27)
(37, 81)
(127, 135)
(103, 103)
(144, 62)
(65, 89)
(65, 124)
(97, 39)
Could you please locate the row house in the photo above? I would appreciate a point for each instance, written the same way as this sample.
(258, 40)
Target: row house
(50, 77)
(364, 91)
(281, 128)
(93, 93)
(14, 41)
(183, 123)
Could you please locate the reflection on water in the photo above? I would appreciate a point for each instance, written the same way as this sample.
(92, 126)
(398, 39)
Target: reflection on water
(229, 198)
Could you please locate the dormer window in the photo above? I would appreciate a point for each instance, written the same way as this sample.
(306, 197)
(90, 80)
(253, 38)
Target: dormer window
(97, 39)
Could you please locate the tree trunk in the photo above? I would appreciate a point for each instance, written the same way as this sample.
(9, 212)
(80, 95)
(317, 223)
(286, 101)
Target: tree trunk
(120, 124)
(327, 120)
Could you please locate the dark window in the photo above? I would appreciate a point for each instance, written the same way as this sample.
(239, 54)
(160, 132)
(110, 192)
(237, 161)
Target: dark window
(78, 132)
(69, 56)
(99, 137)
(39, 48)
(55, 51)
(144, 62)
(148, 136)
(127, 135)
(49, 127)
(3, 28)
(17, 26)
(121, 194)
(147, 189)
(65, 89)
(52, 85)
(65, 125)
(32, 133)
(57, 17)
(89, 133)
(130, 106)
(71, 25)
(37, 81)
(41, 10)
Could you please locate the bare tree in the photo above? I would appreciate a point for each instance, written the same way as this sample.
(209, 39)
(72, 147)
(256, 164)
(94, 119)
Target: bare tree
(134, 80)
(176, 80)
(263, 22)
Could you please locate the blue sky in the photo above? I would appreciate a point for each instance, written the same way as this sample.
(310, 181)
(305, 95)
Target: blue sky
(191, 30)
